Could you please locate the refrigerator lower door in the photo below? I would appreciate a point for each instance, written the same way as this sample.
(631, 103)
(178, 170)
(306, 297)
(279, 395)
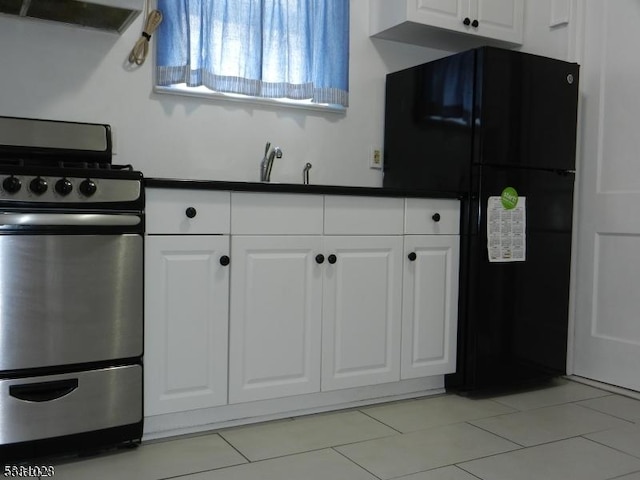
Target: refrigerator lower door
(514, 316)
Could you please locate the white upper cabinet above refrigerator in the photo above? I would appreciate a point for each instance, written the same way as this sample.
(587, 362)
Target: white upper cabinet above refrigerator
(414, 21)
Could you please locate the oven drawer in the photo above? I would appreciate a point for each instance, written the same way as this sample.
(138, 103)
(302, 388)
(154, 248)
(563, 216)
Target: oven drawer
(69, 299)
(51, 406)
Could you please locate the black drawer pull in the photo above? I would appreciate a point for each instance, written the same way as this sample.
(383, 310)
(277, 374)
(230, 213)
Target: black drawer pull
(320, 259)
(225, 260)
(332, 259)
(43, 392)
(436, 217)
(191, 212)
(412, 256)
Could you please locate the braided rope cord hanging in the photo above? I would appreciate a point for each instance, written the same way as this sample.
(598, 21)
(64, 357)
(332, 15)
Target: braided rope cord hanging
(141, 49)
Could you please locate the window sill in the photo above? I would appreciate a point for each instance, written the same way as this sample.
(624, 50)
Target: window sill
(201, 92)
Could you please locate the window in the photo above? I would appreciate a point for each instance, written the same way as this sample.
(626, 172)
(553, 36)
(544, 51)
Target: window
(276, 49)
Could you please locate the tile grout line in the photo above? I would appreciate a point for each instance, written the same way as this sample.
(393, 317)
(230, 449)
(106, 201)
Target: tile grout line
(607, 446)
(234, 448)
(468, 422)
(467, 471)
(623, 475)
(356, 463)
(381, 422)
(631, 422)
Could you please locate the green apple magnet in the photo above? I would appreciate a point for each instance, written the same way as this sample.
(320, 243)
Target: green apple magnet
(509, 198)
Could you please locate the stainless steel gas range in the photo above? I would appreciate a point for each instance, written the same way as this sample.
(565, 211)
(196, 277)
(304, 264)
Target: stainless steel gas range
(71, 291)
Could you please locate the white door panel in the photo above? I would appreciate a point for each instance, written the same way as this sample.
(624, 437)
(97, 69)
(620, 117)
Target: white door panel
(430, 305)
(186, 323)
(607, 325)
(276, 290)
(361, 311)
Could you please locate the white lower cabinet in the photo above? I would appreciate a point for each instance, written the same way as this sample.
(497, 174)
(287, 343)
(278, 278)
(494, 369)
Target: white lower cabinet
(430, 305)
(362, 301)
(276, 295)
(330, 293)
(186, 322)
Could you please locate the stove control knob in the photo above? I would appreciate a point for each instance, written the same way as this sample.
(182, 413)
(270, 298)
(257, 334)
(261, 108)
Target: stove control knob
(38, 185)
(88, 187)
(12, 184)
(64, 187)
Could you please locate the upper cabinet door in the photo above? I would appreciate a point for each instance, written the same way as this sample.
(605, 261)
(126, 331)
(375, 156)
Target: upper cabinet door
(403, 21)
(439, 13)
(499, 19)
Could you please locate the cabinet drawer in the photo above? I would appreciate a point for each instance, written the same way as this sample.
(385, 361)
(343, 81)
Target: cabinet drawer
(426, 216)
(276, 214)
(91, 394)
(168, 211)
(363, 215)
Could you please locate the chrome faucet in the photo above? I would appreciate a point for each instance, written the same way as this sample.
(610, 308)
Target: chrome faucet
(267, 162)
(305, 174)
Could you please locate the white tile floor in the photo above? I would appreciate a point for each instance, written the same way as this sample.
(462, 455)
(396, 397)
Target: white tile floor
(565, 431)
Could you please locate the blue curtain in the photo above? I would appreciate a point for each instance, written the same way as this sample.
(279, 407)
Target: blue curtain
(297, 49)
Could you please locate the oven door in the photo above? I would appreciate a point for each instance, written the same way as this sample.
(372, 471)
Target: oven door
(69, 299)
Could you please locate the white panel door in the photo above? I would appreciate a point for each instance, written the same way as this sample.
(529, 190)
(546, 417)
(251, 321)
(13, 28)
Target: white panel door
(186, 323)
(361, 311)
(607, 316)
(499, 19)
(275, 318)
(446, 14)
(430, 305)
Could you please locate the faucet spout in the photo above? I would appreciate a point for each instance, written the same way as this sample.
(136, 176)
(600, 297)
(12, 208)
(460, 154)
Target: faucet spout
(267, 162)
(305, 173)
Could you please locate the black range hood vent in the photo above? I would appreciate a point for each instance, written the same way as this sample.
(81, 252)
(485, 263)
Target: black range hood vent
(107, 15)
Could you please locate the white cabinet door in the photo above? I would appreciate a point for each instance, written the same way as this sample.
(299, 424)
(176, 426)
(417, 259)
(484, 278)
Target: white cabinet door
(430, 305)
(403, 21)
(276, 290)
(186, 323)
(499, 19)
(448, 14)
(361, 311)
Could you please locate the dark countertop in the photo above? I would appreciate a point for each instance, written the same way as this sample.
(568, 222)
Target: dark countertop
(295, 188)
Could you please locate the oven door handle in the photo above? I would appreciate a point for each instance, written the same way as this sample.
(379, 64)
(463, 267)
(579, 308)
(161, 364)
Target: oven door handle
(69, 220)
(43, 392)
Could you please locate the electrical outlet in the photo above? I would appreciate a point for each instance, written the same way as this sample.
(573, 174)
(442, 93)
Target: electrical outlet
(375, 157)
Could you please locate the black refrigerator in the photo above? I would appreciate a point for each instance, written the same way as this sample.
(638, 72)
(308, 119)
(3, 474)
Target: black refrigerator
(497, 127)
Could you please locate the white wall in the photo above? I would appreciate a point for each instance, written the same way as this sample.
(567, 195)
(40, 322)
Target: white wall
(59, 72)
(55, 71)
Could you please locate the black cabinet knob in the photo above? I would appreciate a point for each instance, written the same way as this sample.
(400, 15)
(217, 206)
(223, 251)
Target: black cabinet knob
(436, 217)
(467, 21)
(319, 259)
(225, 260)
(191, 212)
(412, 256)
(332, 259)
(475, 24)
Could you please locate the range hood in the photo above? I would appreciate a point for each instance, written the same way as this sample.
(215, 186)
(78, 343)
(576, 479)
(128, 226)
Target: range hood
(107, 15)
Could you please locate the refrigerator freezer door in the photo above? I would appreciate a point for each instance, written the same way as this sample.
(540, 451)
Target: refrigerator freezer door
(526, 110)
(429, 125)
